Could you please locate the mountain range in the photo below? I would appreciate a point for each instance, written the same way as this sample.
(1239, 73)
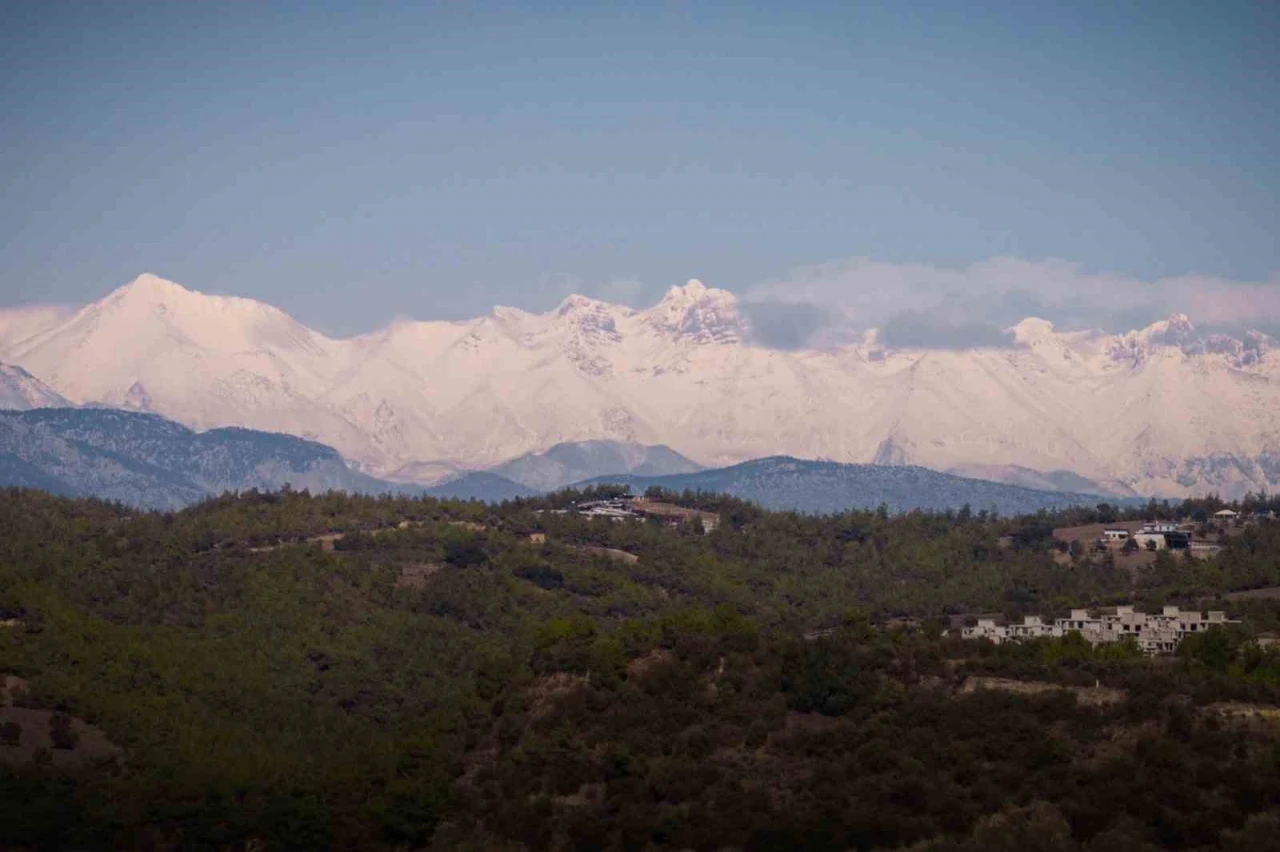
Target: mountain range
(1162, 410)
(146, 461)
(783, 483)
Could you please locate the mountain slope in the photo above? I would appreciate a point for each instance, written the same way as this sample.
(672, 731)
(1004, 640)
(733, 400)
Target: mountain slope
(824, 487)
(567, 463)
(147, 461)
(1047, 480)
(1162, 410)
(19, 390)
(480, 485)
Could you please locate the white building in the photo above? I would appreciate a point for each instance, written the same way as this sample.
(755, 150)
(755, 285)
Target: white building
(1032, 627)
(1160, 527)
(613, 513)
(1154, 634)
(1081, 621)
(1115, 535)
(986, 628)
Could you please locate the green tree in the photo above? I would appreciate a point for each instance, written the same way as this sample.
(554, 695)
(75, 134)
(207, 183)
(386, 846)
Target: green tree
(1213, 648)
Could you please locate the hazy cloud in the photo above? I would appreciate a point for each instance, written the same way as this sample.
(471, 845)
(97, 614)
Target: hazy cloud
(917, 330)
(944, 306)
(788, 325)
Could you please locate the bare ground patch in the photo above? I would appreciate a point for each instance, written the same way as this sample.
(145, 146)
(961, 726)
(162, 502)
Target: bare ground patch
(611, 553)
(1262, 714)
(1094, 696)
(1265, 594)
(551, 689)
(641, 666)
(34, 733)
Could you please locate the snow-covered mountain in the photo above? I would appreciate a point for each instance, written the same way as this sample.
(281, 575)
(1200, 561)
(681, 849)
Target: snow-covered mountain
(1160, 410)
(20, 390)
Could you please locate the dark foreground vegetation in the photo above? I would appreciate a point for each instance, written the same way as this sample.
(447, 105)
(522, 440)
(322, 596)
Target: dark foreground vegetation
(282, 671)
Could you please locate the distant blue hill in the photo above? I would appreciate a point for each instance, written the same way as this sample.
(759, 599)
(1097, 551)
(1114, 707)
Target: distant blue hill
(574, 461)
(147, 461)
(782, 482)
(480, 485)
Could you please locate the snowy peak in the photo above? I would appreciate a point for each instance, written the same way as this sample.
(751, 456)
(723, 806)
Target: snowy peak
(699, 314)
(151, 289)
(225, 323)
(1180, 334)
(1032, 331)
(1177, 329)
(140, 326)
(575, 305)
(19, 390)
(595, 320)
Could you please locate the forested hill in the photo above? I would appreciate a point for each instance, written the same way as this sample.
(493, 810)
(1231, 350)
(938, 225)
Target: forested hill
(287, 671)
(781, 482)
(149, 462)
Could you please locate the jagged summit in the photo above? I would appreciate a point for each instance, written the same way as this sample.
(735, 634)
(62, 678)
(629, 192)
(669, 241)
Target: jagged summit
(700, 314)
(1175, 330)
(692, 289)
(574, 303)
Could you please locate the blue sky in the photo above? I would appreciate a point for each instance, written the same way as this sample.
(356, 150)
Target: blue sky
(355, 162)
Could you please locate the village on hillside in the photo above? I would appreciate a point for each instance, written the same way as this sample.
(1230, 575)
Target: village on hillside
(1166, 535)
(1154, 634)
(1131, 544)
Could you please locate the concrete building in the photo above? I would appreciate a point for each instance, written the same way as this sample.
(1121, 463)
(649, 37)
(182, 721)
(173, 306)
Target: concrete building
(1154, 634)
(1032, 627)
(1080, 620)
(986, 628)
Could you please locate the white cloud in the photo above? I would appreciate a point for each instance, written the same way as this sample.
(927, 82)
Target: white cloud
(1000, 291)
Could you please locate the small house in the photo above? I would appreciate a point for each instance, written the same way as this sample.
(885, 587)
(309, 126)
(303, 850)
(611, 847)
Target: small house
(1159, 527)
